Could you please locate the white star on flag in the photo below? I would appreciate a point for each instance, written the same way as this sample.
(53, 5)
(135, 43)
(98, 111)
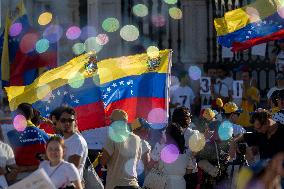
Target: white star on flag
(121, 83)
(46, 108)
(108, 89)
(131, 92)
(52, 96)
(58, 93)
(249, 32)
(71, 96)
(114, 85)
(247, 37)
(65, 93)
(76, 101)
(105, 96)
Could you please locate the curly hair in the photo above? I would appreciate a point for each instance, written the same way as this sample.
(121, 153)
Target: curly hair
(262, 116)
(180, 116)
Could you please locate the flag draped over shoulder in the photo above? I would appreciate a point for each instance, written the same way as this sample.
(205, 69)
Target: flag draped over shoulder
(256, 23)
(19, 60)
(136, 84)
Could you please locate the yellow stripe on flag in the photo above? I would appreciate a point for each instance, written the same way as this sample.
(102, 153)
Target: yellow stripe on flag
(108, 70)
(112, 69)
(239, 18)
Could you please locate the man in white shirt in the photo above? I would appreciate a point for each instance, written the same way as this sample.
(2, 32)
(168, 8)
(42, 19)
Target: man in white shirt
(76, 146)
(224, 84)
(182, 95)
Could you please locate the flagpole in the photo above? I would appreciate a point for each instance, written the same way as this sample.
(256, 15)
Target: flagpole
(168, 83)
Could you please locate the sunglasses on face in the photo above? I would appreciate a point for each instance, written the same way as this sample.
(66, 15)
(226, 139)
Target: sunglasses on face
(64, 120)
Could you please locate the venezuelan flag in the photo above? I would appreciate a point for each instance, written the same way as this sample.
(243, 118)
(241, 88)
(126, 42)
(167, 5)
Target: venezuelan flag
(19, 61)
(256, 23)
(136, 84)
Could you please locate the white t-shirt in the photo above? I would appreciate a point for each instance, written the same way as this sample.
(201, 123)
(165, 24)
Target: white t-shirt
(280, 61)
(6, 155)
(145, 146)
(61, 175)
(77, 145)
(182, 95)
(221, 88)
(270, 92)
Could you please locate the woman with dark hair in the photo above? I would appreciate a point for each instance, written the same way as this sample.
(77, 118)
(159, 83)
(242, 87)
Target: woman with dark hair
(174, 161)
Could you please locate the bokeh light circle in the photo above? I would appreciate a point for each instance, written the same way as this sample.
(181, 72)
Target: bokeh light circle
(45, 18)
(158, 20)
(42, 45)
(225, 130)
(169, 153)
(157, 115)
(110, 24)
(253, 14)
(280, 11)
(102, 39)
(73, 32)
(78, 48)
(129, 33)
(132, 168)
(153, 51)
(88, 31)
(96, 79)
(15, 29)
(43, 92)
(140, 10)
(92, 45)
(175, 13)
(118, 131)
(170, 2)
(20, 122)
(196, 142)
(194, 72)
(28, 42)
(53, 33)
(77, 80)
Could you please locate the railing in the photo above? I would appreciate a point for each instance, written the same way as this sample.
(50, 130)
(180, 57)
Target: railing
(262, 67)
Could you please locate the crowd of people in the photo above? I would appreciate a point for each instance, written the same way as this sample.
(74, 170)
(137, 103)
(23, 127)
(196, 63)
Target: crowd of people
(232, 144)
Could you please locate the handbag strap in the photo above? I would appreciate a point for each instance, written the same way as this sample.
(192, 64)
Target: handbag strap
(55, 169)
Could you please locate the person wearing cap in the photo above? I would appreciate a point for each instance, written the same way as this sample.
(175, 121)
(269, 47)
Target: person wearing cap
(232, 113)
(122, 148)
(250, 99)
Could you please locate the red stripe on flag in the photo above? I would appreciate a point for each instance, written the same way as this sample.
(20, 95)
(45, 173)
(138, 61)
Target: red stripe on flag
(90, 116)
(93, 115)
(239, 46)
(136, 107)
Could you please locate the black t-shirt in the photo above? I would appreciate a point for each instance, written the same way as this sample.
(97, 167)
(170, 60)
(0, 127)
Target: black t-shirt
(267, 147)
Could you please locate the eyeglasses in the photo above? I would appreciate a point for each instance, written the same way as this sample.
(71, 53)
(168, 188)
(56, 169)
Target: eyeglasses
(64, 120)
